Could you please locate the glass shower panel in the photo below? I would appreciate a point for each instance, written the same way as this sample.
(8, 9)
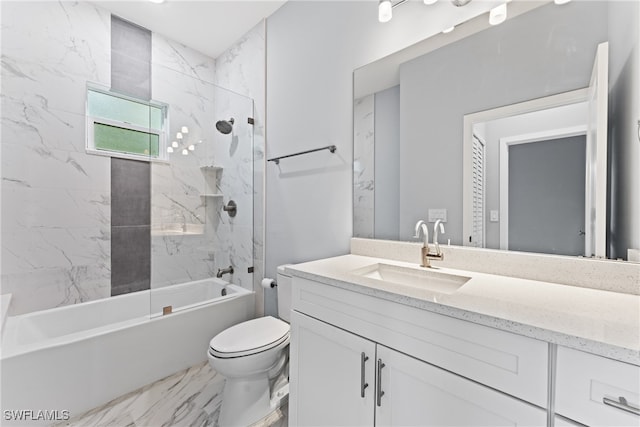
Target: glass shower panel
(193, 237)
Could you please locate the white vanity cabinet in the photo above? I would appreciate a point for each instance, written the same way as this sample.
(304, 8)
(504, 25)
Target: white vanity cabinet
(395, 375)
(338, 378)
(416, 393)
(597, 391)
(331, 376)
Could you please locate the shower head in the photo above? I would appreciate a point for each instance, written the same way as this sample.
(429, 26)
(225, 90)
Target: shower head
(225, 126)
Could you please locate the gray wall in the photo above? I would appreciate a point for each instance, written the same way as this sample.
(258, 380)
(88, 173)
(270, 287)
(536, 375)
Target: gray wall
(387, 164)
(312, 49)
(546, 196)
(513, 62)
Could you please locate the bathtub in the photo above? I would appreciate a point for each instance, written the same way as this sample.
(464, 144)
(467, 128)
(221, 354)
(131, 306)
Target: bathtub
(67, 360)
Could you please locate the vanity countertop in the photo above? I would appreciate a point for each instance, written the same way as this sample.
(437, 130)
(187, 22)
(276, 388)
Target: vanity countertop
(596, 321)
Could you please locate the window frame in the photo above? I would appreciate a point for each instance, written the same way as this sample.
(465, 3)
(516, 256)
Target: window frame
(91, 120)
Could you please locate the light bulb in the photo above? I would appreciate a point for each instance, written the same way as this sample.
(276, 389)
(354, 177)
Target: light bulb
(429, 2)
(184, 129)
(169, 150)
(192, 147)
(184, 152)
(178, 135)
(385, 11)
(498, 14)
(174, 144)
(561, 1)
(448, 30)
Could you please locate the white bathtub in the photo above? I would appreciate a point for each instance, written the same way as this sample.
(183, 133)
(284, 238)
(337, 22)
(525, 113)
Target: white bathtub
(77, 357)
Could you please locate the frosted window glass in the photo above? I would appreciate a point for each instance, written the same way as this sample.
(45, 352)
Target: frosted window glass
(113, 138)
(124, 110)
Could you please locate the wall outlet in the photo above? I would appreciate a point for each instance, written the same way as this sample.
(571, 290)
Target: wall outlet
(494, 216)
(436, 214)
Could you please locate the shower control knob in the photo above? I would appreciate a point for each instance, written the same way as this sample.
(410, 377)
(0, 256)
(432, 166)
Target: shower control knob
(231, 208)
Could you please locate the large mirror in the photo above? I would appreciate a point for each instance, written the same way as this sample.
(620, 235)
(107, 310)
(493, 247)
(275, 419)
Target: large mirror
(502, 132)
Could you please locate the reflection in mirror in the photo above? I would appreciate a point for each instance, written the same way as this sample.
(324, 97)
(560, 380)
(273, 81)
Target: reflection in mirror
(528, 173)
(410, 137)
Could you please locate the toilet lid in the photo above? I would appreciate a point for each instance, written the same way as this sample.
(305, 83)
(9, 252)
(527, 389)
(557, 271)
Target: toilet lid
(250, 337)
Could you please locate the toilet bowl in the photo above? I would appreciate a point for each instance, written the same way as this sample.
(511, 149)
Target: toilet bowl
(253, 357)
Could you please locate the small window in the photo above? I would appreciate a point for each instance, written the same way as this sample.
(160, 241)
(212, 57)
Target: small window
(122, 126)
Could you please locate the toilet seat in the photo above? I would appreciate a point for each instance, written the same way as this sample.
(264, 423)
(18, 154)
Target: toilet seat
(250, 337)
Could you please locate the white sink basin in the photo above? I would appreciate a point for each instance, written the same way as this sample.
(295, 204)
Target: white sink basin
(413, 277)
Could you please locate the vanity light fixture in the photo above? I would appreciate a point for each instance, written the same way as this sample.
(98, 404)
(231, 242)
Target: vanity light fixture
(498, 14)
(385, 12)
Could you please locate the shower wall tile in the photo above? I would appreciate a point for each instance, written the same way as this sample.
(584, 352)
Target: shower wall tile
(43, 288)
(51, 49)
(130, 59)
(54, 169)
(26, 207)
(363, 170)
(180, 77)
(55, 198)
(130, 190)
(242, 69)
(179, 258)
(133, 270)
(175, 56)
(130, 179)
(39, 127)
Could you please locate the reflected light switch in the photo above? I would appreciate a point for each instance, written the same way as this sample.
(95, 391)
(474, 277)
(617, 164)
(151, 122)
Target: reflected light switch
(436, 214)
(494, 217)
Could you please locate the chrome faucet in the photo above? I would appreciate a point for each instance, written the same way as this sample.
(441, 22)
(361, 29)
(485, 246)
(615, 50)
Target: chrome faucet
(222, 271)
(426, 255)
(435, 237)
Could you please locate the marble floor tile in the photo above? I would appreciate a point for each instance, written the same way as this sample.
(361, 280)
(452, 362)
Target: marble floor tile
(187, 398)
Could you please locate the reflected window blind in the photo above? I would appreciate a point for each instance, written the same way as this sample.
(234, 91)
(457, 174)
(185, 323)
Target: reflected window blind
(477, 238)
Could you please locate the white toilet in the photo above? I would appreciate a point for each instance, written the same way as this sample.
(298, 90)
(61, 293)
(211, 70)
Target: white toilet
(253, 357)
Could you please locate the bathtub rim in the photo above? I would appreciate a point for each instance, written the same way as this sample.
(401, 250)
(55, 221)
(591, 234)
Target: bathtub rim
(12, 351)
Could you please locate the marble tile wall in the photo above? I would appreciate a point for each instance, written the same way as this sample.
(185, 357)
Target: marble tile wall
(183, 78)
(55, 232)
(363, 169)
(242, 69)
(56, 203)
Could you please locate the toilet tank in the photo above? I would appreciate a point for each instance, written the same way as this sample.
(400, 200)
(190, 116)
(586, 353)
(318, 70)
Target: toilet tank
(284, 294)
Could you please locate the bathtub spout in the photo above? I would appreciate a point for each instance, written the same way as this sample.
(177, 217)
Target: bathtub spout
(223, 271)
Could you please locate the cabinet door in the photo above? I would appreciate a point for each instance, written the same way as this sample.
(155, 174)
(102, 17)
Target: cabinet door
(327, 374)
(419, 394)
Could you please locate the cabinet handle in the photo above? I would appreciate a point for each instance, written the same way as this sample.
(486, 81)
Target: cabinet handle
(363, 385)
(622, 404)
(380, 392)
